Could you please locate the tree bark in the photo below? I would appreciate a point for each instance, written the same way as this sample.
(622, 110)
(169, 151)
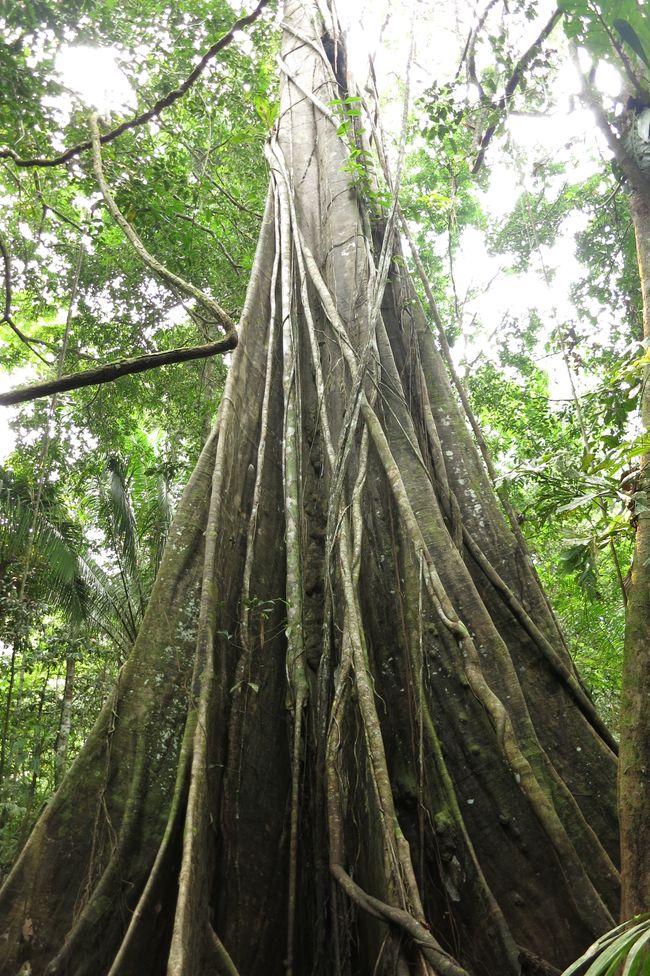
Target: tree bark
(6, 719)
(63, 738)
(388, 763)
(634, 768)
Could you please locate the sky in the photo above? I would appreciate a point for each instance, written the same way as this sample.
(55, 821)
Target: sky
(94, 75)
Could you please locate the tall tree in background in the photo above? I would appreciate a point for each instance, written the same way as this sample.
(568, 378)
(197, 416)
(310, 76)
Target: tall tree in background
(620, 34)
(350, 738)
(633, 153)
(635, 722)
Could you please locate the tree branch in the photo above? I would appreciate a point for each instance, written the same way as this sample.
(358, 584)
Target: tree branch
(630, 170)
(207, 230)
(620, 51)
(220, 315)
(469, 54)
(6, 312)
(513, 83)
(27, 340)
(237, 203)
(112, 371)
(6, 263)
(164, 102)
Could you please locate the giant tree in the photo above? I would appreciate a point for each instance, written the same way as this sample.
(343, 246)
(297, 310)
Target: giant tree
(350, 738)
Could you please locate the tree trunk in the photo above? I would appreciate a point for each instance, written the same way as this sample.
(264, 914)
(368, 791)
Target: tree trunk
(28, 818)
(63, 738)
(388, 762)
(6, 719)
(634, 768)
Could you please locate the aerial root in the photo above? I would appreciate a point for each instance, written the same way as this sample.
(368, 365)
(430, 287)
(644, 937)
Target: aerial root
(129, 941)
(443, 964)
(344, 536)
(218, 954)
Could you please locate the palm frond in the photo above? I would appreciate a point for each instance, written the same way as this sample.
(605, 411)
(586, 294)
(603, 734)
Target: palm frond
(121, 513)
(107, 603)
(36, 548)
(624, 950)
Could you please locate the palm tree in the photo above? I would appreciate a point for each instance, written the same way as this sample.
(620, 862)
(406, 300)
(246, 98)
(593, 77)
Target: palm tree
(47, 567)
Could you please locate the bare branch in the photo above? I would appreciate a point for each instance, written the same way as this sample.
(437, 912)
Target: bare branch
(151, 113)
(469, 54)
(26, 339)
(112, 371)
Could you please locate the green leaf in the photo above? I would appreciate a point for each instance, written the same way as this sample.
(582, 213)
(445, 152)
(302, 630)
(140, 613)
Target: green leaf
(639, 953)
(608, 961)
(578, 502)
(574, 6)
(631, 38)
(608, 948)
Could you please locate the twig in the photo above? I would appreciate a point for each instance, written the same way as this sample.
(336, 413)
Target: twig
(112, 371)
(48, 208)
(236, 203)
(207, 230)
(26, 339)
(164, 102)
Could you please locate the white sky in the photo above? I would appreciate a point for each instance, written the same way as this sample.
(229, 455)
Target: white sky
(95, 76)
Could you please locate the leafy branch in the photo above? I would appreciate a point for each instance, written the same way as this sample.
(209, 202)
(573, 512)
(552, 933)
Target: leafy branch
(180, 284)
(7, 318)
(515, 80)
(162, 103)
